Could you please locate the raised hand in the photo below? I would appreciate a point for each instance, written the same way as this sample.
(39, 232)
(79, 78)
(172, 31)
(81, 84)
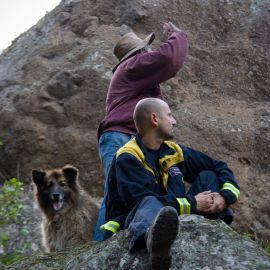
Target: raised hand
(169, 28)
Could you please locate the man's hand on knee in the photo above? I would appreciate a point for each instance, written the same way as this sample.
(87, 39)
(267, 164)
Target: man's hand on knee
(204, 201)
(218, 205)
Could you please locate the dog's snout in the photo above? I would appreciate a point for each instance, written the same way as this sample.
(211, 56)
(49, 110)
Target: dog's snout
(56, 196)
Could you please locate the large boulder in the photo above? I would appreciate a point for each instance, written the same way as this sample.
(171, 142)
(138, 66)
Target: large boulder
(200, 244)
(54, 78)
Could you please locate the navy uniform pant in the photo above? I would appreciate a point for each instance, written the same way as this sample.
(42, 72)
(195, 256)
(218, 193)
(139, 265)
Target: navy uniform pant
(143, 215)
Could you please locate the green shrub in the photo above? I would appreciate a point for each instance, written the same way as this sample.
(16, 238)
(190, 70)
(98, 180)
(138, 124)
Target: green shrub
(263, 243)
(10, 206)
(267, 248)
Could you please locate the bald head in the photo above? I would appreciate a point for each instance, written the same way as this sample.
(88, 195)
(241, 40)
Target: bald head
(144, 109)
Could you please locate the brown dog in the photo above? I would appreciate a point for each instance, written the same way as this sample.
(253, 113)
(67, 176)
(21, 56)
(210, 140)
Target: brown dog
(69, 214)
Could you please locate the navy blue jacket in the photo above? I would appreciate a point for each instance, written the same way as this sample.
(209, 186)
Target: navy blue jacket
(132, 177)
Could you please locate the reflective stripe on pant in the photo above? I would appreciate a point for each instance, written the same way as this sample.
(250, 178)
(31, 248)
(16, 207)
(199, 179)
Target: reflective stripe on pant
(109, 143)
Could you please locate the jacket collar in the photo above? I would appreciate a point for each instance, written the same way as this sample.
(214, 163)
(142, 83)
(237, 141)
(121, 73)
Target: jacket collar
(164, 149)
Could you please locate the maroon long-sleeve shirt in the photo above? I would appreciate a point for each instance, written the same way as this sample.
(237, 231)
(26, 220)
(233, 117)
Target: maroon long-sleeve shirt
(139, 77)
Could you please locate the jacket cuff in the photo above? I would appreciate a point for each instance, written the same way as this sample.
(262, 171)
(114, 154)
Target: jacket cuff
(110, 226)
(228, 197)
(187, 205)
(193, 203)
(230, 193)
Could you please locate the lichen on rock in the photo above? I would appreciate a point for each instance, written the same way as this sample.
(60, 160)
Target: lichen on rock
(200, 244)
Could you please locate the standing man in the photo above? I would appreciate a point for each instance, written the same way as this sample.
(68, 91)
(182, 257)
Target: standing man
(137, 75)
(146, 190)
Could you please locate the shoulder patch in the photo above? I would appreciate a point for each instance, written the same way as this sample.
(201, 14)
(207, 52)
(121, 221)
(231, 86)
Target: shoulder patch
(173, 171)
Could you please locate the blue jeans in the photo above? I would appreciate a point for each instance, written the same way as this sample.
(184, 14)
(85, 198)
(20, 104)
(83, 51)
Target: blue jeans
(109, 143)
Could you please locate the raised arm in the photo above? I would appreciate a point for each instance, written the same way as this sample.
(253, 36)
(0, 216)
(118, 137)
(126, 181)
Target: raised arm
(152, 68)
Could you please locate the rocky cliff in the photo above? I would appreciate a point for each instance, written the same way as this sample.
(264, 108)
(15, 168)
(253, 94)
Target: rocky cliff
(200, 244)
(54, 78)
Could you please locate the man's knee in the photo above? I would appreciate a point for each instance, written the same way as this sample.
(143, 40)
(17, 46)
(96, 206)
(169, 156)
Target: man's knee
(207, 175)
(150, 202)
(206, 180)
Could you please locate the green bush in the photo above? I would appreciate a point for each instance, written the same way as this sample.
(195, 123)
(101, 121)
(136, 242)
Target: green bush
(267, 248)
(263, 243)
(10, 206)
(10, 212)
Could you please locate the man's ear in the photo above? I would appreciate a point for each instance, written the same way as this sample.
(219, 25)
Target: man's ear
(38, 177)
(70, 173)
(154, 119)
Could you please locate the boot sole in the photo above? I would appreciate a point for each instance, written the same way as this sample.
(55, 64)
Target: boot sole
(163, 235)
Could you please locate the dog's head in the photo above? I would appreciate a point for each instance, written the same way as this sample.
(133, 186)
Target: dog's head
(56, 189)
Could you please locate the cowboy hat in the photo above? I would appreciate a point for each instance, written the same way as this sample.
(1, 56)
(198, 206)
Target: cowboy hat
(129, 44)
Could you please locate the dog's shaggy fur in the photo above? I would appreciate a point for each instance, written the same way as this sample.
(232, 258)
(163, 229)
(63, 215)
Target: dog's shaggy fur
(69, 214)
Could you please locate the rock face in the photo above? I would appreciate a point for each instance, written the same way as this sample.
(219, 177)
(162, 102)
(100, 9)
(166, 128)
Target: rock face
(54, 78)
(200, 244)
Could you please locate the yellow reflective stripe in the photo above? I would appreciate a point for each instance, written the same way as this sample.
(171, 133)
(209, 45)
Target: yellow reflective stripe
(112, 226)
(165, 176)
(166, 162)
(180, 204)
(188, 208)
(185, 207)
(170, 160)
(133, 148)
(232, 188)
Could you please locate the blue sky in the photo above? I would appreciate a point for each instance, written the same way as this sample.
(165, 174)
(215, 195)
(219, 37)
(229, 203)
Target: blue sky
(17, 16)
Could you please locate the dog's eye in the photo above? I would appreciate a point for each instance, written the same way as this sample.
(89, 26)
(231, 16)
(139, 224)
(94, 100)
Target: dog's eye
(62, 183)
(49, 184)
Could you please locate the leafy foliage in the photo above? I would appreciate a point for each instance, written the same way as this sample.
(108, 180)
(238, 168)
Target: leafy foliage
(10, 207)
(10, 201)
(264, 244)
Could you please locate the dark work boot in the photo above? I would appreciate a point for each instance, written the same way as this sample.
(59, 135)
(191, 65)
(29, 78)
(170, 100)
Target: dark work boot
(160, 237)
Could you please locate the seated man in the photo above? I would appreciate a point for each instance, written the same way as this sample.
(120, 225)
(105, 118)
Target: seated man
(146, 192)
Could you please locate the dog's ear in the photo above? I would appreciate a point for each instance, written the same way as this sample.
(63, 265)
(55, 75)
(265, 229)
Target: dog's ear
(70, 173)
(38, 177)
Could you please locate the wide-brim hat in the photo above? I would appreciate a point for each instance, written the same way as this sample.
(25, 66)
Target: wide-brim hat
(129, 44)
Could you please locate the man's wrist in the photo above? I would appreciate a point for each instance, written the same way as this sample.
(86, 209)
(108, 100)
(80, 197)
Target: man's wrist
(227, 202)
